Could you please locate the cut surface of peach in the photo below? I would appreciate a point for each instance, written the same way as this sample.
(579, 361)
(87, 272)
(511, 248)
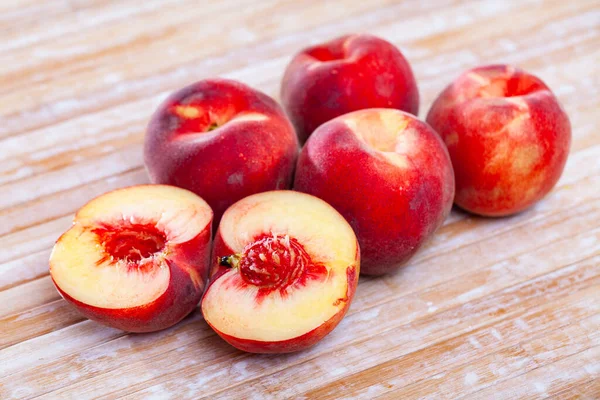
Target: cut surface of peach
(292, 266)
(117, 253)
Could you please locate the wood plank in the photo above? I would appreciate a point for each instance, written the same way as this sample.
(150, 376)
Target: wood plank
(548, 380)
(67, 18)
(17, 300)
(509, 362)
(584, 390)
(37, 321)
(425, 372)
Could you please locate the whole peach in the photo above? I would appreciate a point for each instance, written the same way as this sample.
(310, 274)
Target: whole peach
(222, 140)
(507, 135)
(388, 174)
(346, 74)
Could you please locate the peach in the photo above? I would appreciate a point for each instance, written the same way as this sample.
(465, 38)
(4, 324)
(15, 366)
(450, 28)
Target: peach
(223, 141)
(135, 258)
(346, 74)
(507, 135)
(286, 267)
(388, 174)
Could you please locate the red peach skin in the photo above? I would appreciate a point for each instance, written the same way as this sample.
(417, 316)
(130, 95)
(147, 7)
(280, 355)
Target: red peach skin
(346, 74)
(222, 140)
(507, 135)
(388, 174)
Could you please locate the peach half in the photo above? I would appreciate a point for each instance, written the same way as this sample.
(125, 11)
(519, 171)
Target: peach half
(135, 258)
(286, 266)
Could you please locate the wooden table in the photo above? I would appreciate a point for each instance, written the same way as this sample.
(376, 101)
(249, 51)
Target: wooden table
(491, 308)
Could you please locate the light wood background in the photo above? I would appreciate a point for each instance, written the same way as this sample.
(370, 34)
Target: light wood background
(491, 308)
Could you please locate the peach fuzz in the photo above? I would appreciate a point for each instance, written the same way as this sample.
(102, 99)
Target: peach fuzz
(285, 269)
(388, 174)
(136, 258)
(222, 140)
(346, 74)
(507, 135)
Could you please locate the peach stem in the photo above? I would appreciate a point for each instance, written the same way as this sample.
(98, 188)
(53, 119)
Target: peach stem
(232, 261)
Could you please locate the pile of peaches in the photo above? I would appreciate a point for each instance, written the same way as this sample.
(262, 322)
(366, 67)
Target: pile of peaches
(371, 184)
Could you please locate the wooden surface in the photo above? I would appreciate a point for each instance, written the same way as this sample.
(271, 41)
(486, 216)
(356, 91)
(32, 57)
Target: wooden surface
(491, 308)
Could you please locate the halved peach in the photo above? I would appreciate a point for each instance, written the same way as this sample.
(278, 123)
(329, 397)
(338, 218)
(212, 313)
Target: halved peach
(135, 258)
(286, 266)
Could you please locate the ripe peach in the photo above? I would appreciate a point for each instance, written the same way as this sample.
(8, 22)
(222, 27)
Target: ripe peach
(388, 174)
(286, 268)
(507, 135)
(223, 141)
(135, 258)
(346, 74)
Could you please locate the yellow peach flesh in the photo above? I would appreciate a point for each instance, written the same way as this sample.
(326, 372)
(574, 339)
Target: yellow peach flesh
(81, 268)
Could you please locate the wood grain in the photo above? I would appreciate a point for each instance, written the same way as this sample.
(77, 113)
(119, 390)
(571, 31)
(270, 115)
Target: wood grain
(490, 308)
